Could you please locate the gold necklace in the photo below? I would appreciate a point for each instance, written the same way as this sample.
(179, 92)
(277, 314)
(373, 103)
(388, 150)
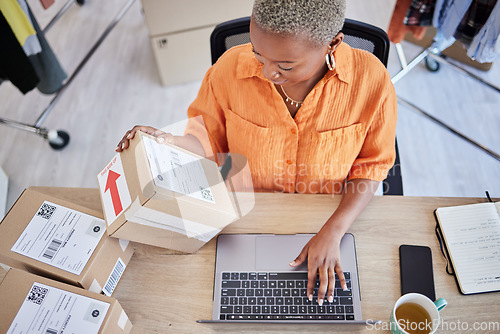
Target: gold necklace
(288, 98)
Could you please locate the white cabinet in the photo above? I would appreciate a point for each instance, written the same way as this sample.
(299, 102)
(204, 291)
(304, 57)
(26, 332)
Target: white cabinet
(179, 32)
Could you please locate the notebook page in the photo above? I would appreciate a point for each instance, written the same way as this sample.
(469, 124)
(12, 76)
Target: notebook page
(472, 234)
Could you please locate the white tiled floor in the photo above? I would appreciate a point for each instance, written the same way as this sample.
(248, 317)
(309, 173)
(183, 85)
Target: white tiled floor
(434, 161)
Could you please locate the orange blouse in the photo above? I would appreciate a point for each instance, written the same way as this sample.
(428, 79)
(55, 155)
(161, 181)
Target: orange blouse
(345, 128)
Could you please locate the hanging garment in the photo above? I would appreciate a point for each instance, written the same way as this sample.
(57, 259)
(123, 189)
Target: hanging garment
(448, 14)
(437, 9)
(473, 20)
(397, 30)
(46, 65)
(14, 64)
(485, 46)
(31, 45)
(18, 21)
(420, 13)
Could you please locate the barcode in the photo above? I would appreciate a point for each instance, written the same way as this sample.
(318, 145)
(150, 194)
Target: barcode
(52, 249)
(37, 294)
(113, 279)
(206, 194)
(46, 211)
(50, 331)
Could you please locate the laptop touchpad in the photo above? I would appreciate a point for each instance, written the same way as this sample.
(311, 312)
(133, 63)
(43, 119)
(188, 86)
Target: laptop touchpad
(275, 252)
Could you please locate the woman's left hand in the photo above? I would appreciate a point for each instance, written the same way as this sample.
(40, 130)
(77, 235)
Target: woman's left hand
(323, 257)
(322, 252)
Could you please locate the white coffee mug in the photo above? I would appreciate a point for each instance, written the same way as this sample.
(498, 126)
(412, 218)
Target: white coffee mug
(400, 326)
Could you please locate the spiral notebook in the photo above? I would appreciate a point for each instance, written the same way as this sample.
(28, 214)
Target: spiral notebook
(471, 234)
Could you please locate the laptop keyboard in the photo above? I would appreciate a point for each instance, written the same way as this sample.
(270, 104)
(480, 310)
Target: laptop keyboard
(280, 296)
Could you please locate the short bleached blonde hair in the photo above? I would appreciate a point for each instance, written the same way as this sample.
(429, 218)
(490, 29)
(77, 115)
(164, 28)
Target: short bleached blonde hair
(318, 20)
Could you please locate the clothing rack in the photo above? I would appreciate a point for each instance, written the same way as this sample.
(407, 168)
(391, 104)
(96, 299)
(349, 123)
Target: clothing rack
(58, 139)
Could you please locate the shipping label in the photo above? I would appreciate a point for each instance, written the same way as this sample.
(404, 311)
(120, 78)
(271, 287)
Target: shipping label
(178, 171)
(48, 310)
(61, 237)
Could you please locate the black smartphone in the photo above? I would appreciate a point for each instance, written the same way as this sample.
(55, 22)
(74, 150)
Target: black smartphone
(415, 263)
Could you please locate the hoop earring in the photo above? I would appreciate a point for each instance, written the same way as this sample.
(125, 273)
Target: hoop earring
(330, 61)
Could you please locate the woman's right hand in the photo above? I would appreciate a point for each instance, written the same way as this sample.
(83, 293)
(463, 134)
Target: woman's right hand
(188, 142)
(124, 143)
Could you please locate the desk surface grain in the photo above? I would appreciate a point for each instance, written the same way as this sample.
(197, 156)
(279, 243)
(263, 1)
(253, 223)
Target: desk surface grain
(166, 292)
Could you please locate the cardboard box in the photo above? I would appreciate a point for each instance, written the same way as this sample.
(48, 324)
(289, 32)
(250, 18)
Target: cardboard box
(163, 17)
(34, 304)
(164, 196)
(455, 51)
(177, 61)
(63, 241)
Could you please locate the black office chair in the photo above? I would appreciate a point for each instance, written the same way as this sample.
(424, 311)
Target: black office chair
(357, 34)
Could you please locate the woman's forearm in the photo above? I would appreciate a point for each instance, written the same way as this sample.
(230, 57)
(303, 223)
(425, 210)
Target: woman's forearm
(357, 195)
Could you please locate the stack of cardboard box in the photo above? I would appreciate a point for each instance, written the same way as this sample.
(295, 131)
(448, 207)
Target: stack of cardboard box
(60, 241)
(151, 193)
(179, 32)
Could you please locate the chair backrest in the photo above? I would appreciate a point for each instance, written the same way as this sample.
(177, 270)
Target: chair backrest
(356, 34)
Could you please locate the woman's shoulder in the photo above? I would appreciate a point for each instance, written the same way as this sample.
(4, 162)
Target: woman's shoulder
(361, 67)
(235, 51)
(363, 61)
(232, 59)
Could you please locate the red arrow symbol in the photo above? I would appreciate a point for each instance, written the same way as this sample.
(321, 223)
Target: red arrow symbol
(113, 190)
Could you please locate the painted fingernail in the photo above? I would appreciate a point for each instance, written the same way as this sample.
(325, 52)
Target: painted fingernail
(292, 263)
(344, 288)
(310, 298)
(330, 299)
(129, 136)
(320, 302)
(161, 140)
(123, 146)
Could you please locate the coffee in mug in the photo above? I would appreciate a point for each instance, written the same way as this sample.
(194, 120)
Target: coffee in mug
(415, 313)
(418, 320)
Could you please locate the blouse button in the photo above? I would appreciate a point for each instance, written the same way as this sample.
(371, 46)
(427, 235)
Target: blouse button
(294, 131)
(289, 162)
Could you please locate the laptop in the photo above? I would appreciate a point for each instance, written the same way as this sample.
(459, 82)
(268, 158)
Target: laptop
(254, 282)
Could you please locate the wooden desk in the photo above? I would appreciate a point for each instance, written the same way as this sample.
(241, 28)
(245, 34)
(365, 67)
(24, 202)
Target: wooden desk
(165, 292)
